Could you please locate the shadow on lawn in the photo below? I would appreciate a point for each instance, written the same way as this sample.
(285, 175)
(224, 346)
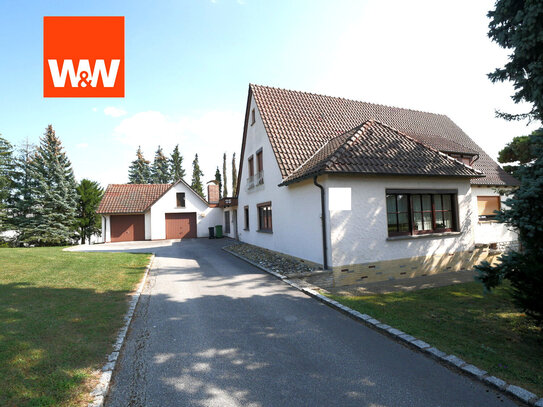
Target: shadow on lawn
(51, 339)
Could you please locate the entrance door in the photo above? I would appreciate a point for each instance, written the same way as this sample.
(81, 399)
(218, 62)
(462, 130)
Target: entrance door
(180, 225)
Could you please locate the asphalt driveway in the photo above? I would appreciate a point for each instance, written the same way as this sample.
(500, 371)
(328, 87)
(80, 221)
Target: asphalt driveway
(212, 330)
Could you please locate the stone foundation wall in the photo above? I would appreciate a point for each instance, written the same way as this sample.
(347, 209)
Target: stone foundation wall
(359, 274)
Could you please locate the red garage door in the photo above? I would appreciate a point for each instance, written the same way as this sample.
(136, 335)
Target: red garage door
(127, 228)
(180, 225)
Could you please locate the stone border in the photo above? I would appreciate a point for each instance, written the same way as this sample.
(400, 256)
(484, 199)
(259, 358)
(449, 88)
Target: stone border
(100, 391)
(450, 361)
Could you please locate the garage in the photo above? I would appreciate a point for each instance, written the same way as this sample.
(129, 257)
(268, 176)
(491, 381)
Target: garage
(180, 225)
(127, 228)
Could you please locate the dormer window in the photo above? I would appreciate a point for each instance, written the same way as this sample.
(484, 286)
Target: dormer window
(180, 198)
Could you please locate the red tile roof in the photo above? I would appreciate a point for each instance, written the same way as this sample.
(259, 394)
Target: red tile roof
(299, 123)
(131, 198)
(375, 148)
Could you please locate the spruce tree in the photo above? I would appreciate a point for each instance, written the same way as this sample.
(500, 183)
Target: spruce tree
(218, 181)
(6, 177)
(234, 175)
(88, 221)
(54, 197)
(160, 171)
(176, 165)
(139, 171)
(197, 175)
(21, 197)
(224, 179)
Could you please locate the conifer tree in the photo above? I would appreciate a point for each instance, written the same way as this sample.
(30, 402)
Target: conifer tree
(6, 183)
(139, 171)
(54, 198)
(218, 181)
(197, 175)
(88, 221)
(160, 171)
(21, 198)
(234, 175)
(176, 165)
(224, 179)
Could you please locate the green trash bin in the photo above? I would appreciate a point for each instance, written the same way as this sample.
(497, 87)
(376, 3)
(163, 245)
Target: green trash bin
(218, 231)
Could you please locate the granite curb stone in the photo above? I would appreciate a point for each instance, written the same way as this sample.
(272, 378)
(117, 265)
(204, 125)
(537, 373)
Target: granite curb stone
(100, 391)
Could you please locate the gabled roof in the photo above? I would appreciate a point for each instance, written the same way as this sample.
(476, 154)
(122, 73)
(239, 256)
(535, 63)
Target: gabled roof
(135, 198)
(375, 148)
(298, 124)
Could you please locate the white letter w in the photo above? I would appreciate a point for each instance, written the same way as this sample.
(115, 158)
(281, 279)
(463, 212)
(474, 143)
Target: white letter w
(59, 76)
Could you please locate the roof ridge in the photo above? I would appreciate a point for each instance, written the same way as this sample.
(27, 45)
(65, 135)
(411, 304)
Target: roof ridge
(347, 99)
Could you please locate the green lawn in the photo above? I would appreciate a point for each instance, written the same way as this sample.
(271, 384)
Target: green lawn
(482, 328)
(59, 316)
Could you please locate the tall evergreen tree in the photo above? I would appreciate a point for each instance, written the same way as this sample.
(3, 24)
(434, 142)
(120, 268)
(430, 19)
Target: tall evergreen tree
(88, 221)
(517, 25)
(54, 197)
(234, 175)
(218, 181)
(160, 171)
(197, 175)
(139, 171)
(224, 179)
(176, 165)
(6, 180)
(21, 197)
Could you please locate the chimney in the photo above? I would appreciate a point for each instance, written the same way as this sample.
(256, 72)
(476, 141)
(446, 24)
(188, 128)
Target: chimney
(212, 193)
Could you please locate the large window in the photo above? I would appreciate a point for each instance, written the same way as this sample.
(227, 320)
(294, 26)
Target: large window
(486, 207)
(264, 217)
(416, 213)
(180, 198)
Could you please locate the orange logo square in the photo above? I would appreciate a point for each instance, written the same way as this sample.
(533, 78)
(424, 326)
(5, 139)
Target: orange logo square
(83, 57)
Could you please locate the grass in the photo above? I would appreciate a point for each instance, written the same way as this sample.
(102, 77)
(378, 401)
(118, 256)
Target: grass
(59, 314)
(482, 328)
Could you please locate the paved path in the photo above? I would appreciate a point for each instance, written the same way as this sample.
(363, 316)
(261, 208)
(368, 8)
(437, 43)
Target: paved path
(211, 330)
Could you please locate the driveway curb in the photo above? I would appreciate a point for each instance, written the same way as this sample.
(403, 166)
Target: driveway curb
(451, 361)
(100, 391)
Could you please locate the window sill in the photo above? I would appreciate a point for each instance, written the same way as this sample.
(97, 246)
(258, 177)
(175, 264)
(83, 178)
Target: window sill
(246, 229)
(423, 236)
(264, 231)
(487, 221)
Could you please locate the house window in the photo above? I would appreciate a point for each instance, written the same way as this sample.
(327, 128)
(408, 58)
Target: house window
(264, 217)
(253, 117)
(486, 205)
(466, 159)
(227, 222)
(420, 213)
(246, 217)
(180, 198)
(259, 163)
(260, 168)
(251, 166)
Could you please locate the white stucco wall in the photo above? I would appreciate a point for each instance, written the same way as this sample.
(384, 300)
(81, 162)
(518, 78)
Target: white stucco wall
(295, 209)
(490, 231)
(360, 235)
(205, 216)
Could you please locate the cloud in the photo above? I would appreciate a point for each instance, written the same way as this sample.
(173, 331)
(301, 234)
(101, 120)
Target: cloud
(114, 111)
(209, 134)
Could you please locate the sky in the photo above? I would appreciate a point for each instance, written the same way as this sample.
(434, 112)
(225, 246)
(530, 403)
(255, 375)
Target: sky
(189, 65)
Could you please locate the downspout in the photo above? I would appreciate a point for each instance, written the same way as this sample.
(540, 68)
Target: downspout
(323, 221)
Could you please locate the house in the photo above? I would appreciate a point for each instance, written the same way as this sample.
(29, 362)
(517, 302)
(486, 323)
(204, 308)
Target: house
(369, 191)
(157, 211)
